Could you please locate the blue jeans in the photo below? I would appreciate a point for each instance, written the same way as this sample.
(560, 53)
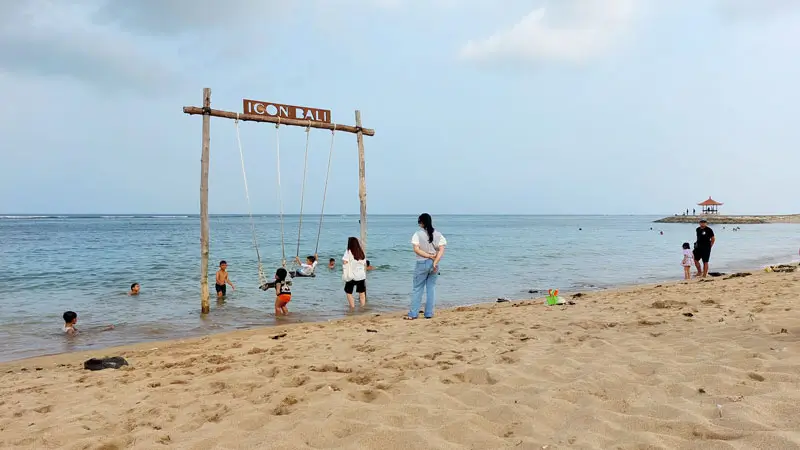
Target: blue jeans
(423, 280)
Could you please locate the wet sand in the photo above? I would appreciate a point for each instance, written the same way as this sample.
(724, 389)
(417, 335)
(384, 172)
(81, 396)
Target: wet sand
(711, 364)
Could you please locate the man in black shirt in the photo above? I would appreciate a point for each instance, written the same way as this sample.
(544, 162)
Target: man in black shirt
(702, 250)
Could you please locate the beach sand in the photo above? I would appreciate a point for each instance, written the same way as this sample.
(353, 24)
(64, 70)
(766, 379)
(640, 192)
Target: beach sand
(626, 369)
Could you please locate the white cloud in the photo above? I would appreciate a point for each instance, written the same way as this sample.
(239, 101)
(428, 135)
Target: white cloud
(572, 31)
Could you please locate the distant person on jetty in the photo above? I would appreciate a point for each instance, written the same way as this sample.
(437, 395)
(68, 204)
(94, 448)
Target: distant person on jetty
(307, 269)
(134, 289)
(429, 246)
(702, 251)
(222, 279)
(332, 263)
(354, 272)
(688, 259)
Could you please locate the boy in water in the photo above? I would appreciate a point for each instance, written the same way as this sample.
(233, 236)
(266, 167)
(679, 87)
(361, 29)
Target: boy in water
(331, 264)
(222, 279)
(134, 289)
(370, 266)
(70, 319)
(307, 269)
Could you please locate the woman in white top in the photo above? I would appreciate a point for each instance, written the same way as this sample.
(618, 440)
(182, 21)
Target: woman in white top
(429, 247)
(354, 272)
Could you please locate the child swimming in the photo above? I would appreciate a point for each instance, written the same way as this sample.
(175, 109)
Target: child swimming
(70, 319)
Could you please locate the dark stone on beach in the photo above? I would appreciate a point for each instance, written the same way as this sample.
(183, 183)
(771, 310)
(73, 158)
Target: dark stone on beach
(688, 314)
(701, 390)
(369, 330)
(114, 362)
(278, 336)
(715, 274)
(578, 295)
(501, 300)
(738, 275)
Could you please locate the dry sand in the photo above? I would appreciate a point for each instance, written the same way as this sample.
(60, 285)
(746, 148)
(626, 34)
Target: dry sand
(620, 369)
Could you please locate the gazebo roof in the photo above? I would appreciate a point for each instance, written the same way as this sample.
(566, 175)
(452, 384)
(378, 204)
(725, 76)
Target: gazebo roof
(710, 202)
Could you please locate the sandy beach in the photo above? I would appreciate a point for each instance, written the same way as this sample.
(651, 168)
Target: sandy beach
(712, 364)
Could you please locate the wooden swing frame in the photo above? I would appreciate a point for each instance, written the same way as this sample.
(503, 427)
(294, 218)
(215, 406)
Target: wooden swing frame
(281, 119)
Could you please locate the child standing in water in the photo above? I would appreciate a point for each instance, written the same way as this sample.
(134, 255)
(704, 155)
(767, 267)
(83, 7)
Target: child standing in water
(222, 279)
(283, 291)
(688, 260)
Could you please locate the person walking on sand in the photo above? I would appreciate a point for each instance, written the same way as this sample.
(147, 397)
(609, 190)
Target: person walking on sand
(354, 272)
(702, 251)
(429, 246)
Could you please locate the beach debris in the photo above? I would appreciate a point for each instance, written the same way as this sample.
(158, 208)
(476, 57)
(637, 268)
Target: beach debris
(719, 410)
(113, 362)
(716, 274)
(701, 391)
(688, 314)
(738, 275)
(755, 376)
(278, 336)
(370, 330)
(781, 268)
(577, 295)
(501, 300)
(783, 331)
(533, 291)
(666, 304)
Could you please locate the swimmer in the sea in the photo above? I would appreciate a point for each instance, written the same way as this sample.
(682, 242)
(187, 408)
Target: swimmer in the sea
(70, 319)
(134, 289)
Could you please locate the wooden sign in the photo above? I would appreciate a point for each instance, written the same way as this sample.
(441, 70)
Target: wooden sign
(286, 111)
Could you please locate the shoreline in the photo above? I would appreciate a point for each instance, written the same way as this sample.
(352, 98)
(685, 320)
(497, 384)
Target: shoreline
(732, 220)
(534, 295)
(537, 299)
(673, 365)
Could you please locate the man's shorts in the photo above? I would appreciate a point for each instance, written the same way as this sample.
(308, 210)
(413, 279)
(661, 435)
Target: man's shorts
(220, 288)
(702, 254)
(360, 286)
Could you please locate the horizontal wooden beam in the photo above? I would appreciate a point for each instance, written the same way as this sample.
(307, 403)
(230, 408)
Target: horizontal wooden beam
(192, 110)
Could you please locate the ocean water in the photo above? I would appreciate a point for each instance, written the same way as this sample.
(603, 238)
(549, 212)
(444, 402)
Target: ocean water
(86, 263)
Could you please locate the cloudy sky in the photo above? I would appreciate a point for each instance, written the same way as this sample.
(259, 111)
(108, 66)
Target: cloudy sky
(535, 107)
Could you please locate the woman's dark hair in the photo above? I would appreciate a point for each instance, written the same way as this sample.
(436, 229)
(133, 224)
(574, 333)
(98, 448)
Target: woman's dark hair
(355, 248)
(686, 246)
(427, 223)
(281, 273)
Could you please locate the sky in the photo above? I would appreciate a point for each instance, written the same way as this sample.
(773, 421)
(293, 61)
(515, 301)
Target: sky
(535, 107)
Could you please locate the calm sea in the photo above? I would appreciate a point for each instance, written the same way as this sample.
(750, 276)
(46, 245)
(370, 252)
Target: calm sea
(51, 264)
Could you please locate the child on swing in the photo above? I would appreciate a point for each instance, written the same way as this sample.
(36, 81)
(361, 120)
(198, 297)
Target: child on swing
(283, 291)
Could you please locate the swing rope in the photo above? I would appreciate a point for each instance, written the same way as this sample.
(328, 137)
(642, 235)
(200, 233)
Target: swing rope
(302, 195)
(262, 279)
(280, 196)
(325, 190)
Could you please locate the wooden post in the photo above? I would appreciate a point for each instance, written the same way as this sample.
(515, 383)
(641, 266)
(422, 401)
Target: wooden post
(362, 181)
(204, 227)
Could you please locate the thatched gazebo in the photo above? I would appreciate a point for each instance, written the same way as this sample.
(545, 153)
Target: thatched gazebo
(710, 206)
